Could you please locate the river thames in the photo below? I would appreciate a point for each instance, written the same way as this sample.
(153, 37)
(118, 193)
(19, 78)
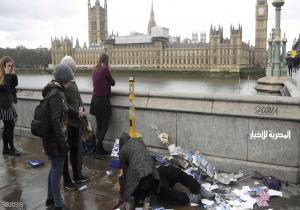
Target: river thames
(156, 82)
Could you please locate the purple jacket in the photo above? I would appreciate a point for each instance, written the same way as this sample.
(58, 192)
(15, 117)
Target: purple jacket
(102, 80)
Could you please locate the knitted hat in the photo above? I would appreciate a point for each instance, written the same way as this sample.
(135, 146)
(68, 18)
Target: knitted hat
(63, 73)
(68, 60)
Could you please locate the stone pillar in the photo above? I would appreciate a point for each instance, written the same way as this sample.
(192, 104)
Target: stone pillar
(277, 20)
(283, 56)
(277, 60)
(269, 72)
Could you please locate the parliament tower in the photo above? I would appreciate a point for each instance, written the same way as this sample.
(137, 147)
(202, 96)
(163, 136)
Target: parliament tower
(261, 33)
(97, 23)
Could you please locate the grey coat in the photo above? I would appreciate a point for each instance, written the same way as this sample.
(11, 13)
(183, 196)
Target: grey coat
(136, 163)
(74, 102)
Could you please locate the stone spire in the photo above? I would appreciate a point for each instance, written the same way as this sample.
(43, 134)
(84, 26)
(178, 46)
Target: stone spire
(152, 20)
(77, 43)
(105, 20)
(89, 4)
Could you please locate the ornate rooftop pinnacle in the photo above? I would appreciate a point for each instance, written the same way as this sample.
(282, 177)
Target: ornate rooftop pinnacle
(152, 22)
(278, 3)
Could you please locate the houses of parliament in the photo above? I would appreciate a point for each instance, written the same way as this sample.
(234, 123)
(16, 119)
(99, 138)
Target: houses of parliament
(158, 50)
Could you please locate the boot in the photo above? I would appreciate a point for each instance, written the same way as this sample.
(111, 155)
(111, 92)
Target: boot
(105, 152)
(15, 152)
(49, 202)
(6, 151)
(101, 151)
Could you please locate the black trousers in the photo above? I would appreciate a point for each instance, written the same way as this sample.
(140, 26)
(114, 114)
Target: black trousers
(102, 126)
(8, 134)
(73, 141)
(290, 70)
(169, 176)
(146, 187)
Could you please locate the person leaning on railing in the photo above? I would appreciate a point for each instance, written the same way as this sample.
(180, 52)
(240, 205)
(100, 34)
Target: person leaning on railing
(100, 104)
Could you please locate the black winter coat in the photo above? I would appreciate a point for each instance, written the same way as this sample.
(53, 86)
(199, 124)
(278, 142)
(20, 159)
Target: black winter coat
(56, 144)
(6, 90)
(14, 84)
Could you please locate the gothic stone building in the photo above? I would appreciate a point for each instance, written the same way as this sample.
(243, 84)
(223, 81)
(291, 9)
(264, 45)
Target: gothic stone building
(158, 50)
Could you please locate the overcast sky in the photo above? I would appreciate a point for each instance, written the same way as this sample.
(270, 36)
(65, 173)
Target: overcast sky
(31, 23)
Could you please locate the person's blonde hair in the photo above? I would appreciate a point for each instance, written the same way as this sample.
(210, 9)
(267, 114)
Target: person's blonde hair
(4, 60)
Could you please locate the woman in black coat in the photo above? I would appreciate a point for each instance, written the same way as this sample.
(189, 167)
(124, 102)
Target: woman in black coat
(8, 83)
(56, 146)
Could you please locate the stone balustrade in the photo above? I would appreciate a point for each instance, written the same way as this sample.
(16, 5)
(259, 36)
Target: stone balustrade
(220, 126)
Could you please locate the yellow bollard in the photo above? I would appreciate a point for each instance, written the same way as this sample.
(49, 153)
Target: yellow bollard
(132, 132)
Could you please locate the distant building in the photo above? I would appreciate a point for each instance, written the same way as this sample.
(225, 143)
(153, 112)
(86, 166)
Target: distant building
(261, 33)
(158, 50)
(296, 44)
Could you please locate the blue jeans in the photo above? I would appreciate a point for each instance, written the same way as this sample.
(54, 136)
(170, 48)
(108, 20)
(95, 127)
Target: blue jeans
(55, 174)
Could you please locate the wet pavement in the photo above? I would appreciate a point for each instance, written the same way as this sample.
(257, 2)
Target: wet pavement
(25, 187)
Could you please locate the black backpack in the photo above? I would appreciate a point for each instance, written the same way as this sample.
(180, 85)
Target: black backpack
(40, 125)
